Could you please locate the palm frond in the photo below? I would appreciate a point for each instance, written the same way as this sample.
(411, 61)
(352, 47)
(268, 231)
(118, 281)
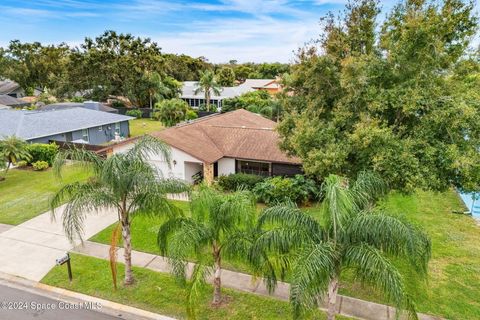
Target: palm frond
(84, 158)
(372, 268)
(112, 252)
(367, 188)
(338, 203)
(290, 216)
(148, 145)
(197, 281)
(81, 199)
(392, 235)
(313, 269)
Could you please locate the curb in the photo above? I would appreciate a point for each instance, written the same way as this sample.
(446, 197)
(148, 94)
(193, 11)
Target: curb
(110, 308)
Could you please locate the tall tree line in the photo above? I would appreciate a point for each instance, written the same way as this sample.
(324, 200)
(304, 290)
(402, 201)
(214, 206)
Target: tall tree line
(400, 98)
(115, 64)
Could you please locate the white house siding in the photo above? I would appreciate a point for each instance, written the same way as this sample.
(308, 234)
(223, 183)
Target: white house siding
(226, 166)
(177, 165)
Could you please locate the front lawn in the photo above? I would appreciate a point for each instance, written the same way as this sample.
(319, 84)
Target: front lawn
(139, 127)
(161, 293)
(454, 272)
(26, 193)
(453, 285)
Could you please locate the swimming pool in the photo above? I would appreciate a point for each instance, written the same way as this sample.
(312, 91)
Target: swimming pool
(472, 201)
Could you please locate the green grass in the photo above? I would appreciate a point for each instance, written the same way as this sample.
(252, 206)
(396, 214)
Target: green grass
(139, 127)
(160, 293)
(454, 271)
(144, 236)
(453, 285)
(26, 193)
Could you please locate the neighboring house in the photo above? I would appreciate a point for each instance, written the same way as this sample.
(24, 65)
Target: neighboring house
(196, 100)
(12, 102)
(221, 144)
(13, 89)
(272, 86)
(78, 125)
(92, 105)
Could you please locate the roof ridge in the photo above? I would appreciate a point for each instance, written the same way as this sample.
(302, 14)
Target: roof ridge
(240, 127)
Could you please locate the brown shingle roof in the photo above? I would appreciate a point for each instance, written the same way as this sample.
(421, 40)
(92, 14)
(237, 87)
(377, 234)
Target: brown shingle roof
(237, 134)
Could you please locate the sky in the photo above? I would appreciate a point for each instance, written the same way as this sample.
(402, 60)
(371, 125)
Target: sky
(220, 30)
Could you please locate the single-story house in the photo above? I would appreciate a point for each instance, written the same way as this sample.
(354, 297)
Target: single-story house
(78, 125)
(87, 105)
(196, 100)
(10, 101)
(221, 144)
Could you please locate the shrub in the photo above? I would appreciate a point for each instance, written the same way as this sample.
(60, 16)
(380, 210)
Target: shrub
(134, 113)
(42, 152)
(190, 115)
(40, 165)
(21, 164)
(118, 104)
(278, 189)
(235, 181)
(170, 112)
(77, 99)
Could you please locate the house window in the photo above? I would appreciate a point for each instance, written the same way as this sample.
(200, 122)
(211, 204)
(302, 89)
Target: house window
(253, 167)
(85, 135)
(117, 128)
(100, 128)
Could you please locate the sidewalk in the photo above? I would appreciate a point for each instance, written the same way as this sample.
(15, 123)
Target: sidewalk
(346, 306)
(30, 249)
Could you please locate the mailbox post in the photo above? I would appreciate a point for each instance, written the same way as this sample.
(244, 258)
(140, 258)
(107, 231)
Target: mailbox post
(63, 260)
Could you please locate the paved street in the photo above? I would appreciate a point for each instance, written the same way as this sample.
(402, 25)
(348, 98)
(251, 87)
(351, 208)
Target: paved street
(31, 303)
(29, 250)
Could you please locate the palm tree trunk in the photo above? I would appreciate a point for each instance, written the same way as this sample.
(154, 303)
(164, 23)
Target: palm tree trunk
(6, 169)
(207, 99)
(217, 283)
(127, 252)
(332, 299)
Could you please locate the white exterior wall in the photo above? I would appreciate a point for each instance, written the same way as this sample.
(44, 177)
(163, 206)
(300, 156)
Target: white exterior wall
(175, 171)
(185, 166)
(226, 166)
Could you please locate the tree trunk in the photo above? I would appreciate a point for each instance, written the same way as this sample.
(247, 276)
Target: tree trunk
(127, 252)
(207, 99)
(150, 98)
(217, 283)
(332, 299)
(6, 169)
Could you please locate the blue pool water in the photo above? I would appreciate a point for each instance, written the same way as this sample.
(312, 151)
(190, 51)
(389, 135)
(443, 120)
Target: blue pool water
(472, 201)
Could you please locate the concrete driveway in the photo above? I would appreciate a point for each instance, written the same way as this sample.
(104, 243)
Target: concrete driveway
(29, 250)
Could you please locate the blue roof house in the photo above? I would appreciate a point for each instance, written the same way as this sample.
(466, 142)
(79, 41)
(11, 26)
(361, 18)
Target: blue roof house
(78, 125)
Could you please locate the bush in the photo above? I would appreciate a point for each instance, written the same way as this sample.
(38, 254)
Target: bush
(278, 189)
(191, 115)
(77, 99)
(170, 112)
(118, 104)
(134, 113)
(42, 152)
(235, 181)
(40, 165)
(21, 164)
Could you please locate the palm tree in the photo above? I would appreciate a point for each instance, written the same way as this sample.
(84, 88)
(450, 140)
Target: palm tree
(125, 182)
(219, 224)
(208, 84)
(156, 87)
(12, 150)
(353, 235)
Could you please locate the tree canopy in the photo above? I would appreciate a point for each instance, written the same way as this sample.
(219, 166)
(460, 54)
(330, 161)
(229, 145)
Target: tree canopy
(391, 99)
